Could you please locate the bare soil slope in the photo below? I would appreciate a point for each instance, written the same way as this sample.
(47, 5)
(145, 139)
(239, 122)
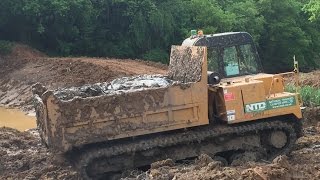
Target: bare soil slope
(311, 79)
(26, 66)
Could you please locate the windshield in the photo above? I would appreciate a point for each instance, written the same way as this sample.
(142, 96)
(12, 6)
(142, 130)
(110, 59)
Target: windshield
(239, 60)
(233, 61)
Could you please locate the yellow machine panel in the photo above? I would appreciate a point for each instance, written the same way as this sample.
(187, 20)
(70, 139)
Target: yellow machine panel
(246, 99)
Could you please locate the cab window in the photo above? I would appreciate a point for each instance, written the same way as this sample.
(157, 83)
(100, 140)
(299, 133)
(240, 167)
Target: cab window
(248, 64)
(231, 61)
(213, 60)
(239, 60)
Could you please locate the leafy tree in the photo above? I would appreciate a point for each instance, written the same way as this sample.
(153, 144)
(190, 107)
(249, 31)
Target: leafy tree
(247, 17)
(283, 35)
(313, 7)
(209, 16)
(147, 28)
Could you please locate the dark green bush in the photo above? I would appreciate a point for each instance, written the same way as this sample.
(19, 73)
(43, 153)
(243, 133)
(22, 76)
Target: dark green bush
(5, 47)
(157, 55)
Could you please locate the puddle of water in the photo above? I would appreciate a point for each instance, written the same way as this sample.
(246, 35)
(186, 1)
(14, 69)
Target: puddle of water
(16, 119)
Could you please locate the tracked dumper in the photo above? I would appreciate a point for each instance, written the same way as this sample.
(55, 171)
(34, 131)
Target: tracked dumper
(106, 128)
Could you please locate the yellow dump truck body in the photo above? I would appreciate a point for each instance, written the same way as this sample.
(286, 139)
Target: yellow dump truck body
(177, 116)
(67, 123)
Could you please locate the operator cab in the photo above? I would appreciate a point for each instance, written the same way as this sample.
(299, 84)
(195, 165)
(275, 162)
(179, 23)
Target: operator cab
(230, 54)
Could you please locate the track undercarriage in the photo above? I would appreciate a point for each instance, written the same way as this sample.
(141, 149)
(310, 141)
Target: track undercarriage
(268, 138)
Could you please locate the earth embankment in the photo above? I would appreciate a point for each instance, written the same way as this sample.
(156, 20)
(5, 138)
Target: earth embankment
(26, 66)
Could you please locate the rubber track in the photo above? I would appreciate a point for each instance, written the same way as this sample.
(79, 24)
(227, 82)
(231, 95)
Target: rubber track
(193, 135)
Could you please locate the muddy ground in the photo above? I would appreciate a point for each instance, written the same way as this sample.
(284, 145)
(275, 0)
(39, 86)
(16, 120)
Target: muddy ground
(24, 157)
(302, 163)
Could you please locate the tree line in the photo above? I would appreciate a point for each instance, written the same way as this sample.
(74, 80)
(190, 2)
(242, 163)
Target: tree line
(147, 28)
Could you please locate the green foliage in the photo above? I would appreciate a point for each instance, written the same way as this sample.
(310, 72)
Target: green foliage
(209, 16)
(5, 47)
(310, 95)
(284, 35)
(157, 55)
(147, 28)
(313, 8)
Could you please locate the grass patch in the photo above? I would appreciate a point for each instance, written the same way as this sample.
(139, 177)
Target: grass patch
(310, 95)
(5, 47)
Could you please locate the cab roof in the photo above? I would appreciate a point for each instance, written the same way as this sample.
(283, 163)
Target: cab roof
(219, 40)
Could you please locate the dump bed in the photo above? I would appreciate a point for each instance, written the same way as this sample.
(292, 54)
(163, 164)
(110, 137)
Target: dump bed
(126, 107)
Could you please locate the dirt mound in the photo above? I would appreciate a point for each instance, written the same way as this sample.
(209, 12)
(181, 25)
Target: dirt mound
(18, 74)
(24, 157)
(305, 79)
(22, 51)
(310, 79)
(67, 72)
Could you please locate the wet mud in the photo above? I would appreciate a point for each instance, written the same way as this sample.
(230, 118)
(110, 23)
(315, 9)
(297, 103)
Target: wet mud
(23, 156)
(302, 163)
(16, 119)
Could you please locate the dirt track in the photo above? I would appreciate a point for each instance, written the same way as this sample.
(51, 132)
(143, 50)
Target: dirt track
(24, 157)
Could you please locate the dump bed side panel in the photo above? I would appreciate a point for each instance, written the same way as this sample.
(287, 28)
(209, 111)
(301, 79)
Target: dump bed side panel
(81, 121)
(41, 114)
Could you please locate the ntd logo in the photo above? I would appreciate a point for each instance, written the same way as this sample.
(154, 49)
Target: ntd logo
(255, 107)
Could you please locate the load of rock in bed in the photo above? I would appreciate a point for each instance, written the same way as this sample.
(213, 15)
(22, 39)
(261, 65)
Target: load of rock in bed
(117, 86)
